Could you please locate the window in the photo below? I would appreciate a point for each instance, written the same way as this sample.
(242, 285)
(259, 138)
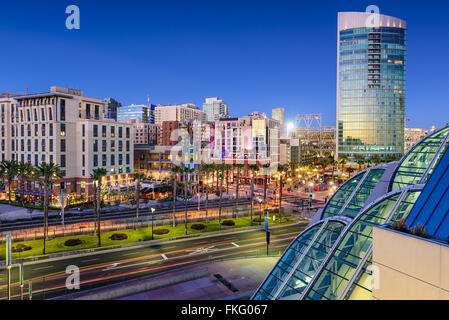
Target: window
(97, 112)
(62, 161)
(88, 111)
(62, 130)
(50, 116)
(42, 114)
(127, 145)
(95, 160)
(112, 160)
(51, 129)
(62, 145)
(62, 115)
(112, 131)
(95, 130)
(103, 145)
(120, 159)
(127, 133)
(127, 159)
(120, 132)
(112, 145)
(36, 160)
(120, 145)
(84, 145)
(43, 145)
(103, 131)
(29, 145)
(43, 130)
(36, 130)
(84, 130)
(95, 145)
(36, 145)
(51, 145)
(84, 160)
(104, 161)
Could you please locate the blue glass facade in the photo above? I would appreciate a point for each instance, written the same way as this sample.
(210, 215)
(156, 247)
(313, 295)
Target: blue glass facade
(141, 113)
(371, 91)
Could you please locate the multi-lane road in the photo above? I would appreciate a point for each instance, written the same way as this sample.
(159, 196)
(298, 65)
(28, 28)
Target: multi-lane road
(113, 266)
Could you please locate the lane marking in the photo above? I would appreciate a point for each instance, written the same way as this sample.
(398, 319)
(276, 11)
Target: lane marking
(90, 260)
(46, 267)
(164, 256)
(235, 244)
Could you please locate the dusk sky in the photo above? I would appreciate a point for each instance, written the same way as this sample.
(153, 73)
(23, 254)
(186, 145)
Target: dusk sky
(256, 55)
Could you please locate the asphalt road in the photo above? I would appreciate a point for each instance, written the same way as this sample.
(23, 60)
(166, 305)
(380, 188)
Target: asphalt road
(104, 268)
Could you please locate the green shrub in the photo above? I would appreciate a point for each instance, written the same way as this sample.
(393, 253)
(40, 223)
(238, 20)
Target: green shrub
(228, 223)
(400, 225)
(161, 231)
(72, 242)
(419, 231)
(198, 226)
(20, 248)
(259, 219)
(119, 236)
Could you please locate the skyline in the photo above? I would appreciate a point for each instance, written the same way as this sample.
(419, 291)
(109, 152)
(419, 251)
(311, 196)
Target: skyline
(202, 56)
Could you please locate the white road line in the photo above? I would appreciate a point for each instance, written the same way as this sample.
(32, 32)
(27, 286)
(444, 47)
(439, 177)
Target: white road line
(46, 267)
(235, 244)
(90, 260)
(164, 256)
(128, 254)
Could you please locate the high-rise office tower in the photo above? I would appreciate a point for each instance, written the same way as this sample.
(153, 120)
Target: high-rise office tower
(111, 107)
(278, 114)
(141, 113)
(215, 109)
(370, 85)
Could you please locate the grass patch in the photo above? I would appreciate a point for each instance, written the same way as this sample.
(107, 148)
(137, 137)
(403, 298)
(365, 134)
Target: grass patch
(56, 245)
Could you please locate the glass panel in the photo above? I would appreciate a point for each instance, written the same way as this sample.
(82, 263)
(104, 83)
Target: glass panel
(337, 201)
(311, 262)
(416, 162)
(285, 264)
(341, 266)
(358, 201)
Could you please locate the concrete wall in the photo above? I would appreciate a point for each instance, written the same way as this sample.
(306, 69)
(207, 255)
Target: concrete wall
(408, 267)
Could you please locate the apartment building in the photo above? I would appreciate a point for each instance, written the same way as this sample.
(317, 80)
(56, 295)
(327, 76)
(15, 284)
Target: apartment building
(253, 139)
(179, 113)
(215, 109)
(145, 133)
(66, 128)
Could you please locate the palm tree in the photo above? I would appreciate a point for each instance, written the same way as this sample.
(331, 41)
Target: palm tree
(176, 170)
(342, 160)
(349, 170)
(265, 183)
(25, 171)
(10, 169)
(281, 171)
(220, 175)
(98, 175)
(227, 168)
(360, 160)
(187, 172)
(238, 166)
(207, 168)
(47, 172)
(138, 177)
(253, 168)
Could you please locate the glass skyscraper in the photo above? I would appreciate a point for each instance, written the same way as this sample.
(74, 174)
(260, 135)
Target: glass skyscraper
(370, 85)
(141, 113)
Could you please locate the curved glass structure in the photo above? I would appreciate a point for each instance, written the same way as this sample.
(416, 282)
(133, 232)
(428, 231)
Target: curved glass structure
(370, 86)
(332, 258)
(416, 162)
(352, 195)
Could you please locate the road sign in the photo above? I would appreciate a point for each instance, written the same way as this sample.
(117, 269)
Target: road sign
(266, 223)
(8, 250)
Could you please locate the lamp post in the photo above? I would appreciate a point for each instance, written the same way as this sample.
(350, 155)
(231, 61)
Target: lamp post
(260, 210)
(152, 223)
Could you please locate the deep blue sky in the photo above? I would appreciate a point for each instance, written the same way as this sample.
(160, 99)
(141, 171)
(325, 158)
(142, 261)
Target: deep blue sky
(256, 55)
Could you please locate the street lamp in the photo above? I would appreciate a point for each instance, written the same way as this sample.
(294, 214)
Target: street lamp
(260, 210)
(152, 223)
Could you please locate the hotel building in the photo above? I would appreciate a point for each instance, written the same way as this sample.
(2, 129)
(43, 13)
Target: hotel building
(68, 129)
(215, 109)
(370, 86)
